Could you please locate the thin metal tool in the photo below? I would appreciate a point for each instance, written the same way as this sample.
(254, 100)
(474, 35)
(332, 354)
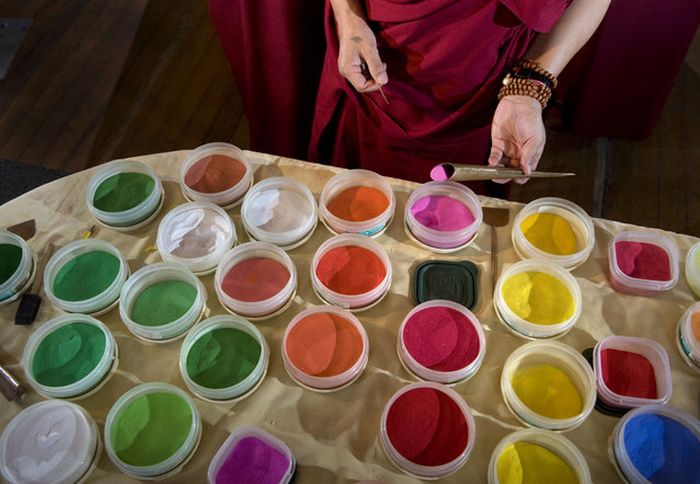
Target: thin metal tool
(495, 217)
(364, 70)
(457, 172)
(10, 386)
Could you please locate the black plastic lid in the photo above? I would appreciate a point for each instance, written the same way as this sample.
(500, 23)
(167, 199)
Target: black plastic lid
(454, 281)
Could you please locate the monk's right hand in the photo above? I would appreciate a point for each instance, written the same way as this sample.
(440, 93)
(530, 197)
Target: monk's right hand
(358, 57)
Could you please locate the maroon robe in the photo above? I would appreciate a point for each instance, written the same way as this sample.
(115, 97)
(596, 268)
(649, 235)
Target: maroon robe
(445, 60)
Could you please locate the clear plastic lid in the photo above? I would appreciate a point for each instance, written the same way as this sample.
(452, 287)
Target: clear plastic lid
(17, 282)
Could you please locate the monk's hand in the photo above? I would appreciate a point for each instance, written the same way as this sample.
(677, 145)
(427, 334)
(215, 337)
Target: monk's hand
(517, 134)
(358, 57)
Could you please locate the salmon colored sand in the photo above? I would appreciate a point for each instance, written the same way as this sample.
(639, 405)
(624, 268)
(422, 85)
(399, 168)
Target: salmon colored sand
(350, 270)
(358, 204)
(214, 174)
(695, 324)
(255, 279)
(324, 345)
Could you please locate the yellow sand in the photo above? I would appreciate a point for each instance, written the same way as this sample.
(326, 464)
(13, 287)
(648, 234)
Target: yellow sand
(548, 391)
(550, 233)
(538, 297)
(526, 463)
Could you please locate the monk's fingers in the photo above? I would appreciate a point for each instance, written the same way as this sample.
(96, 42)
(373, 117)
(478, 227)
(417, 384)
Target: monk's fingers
(375, 67)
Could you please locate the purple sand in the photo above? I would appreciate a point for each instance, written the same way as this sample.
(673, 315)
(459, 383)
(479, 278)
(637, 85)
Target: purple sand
(443, 213)
(253, 460)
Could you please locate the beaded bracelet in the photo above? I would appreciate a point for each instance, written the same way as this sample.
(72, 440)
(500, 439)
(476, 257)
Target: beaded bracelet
(529, 79)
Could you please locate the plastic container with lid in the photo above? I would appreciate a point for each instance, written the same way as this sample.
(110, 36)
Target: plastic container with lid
(420, 453)
(645, 446)
(167, 437)
(280, 211)
(443, 216)
(161, 302)
(688, 338)
(73, 372)
(218, 173)
(551, 441)
(196, 235)
(454, 281)
(441, 341)
(252, 455)
(692, 268)
(357, 202)
(125, 195)
(17, 266)
(642, 263)
(234, 370)
(555, 230)
(325, 348)
(640, 348)
(360, 281)
(544, 374)
(547, 317)
(50, 442)
(256, 280)
(85, 276)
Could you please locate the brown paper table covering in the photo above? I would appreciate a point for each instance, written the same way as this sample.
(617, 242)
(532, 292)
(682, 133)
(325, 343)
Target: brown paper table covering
(334, 436)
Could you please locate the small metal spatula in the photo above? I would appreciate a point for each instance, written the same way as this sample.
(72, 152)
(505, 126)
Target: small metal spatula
(495, 217)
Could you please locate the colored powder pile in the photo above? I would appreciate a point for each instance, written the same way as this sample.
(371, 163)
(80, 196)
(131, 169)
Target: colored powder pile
(324, 345)
(214, 174)
(439, 173)
(548, 391)
(427, 427)
(441, 338)
(10, 258)
(123, 191)
(86, 276)
(528, 463)
(442, 213)
(358, 204)
(151, 428)
(255, 279)
(538, 297)
(642, 260)
(68, 354)
(253, 460)
(350, 270)
(695, 325)
(662, 449)
(163, 302)
(550, 233)
(279, 210)
(195, 233)
(629, 374)
(222, 358)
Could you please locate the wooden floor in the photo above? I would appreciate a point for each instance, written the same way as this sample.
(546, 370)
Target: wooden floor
(97, 80)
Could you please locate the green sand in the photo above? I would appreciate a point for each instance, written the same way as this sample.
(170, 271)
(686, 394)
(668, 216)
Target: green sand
(123, 191)
(163, 303)
(86, 276)
(10, 258)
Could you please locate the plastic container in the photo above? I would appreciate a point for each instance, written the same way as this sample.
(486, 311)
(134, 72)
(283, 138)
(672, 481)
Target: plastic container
(347, 180)
(267, 442)
(225, 196)
(136, 216)
(177, 460)
(619, 454)
(562, 357)
(633, 285)
(146, 277)
(652, 351)
(261, 277)
(88, 384)
(318, 382)
(196, 235)
(241, 389)
(527, 329)
(692, 268)
(443, 241)
(425, 471)
(97, 304)
(446, 377)
(17, 283)
(555, 443)
(50, 442)
(578, 219)
(280, 211)
(454, 281)
(353, 302)
(687, 340)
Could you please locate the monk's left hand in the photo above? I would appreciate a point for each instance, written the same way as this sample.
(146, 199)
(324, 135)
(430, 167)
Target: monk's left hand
(517, 134)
